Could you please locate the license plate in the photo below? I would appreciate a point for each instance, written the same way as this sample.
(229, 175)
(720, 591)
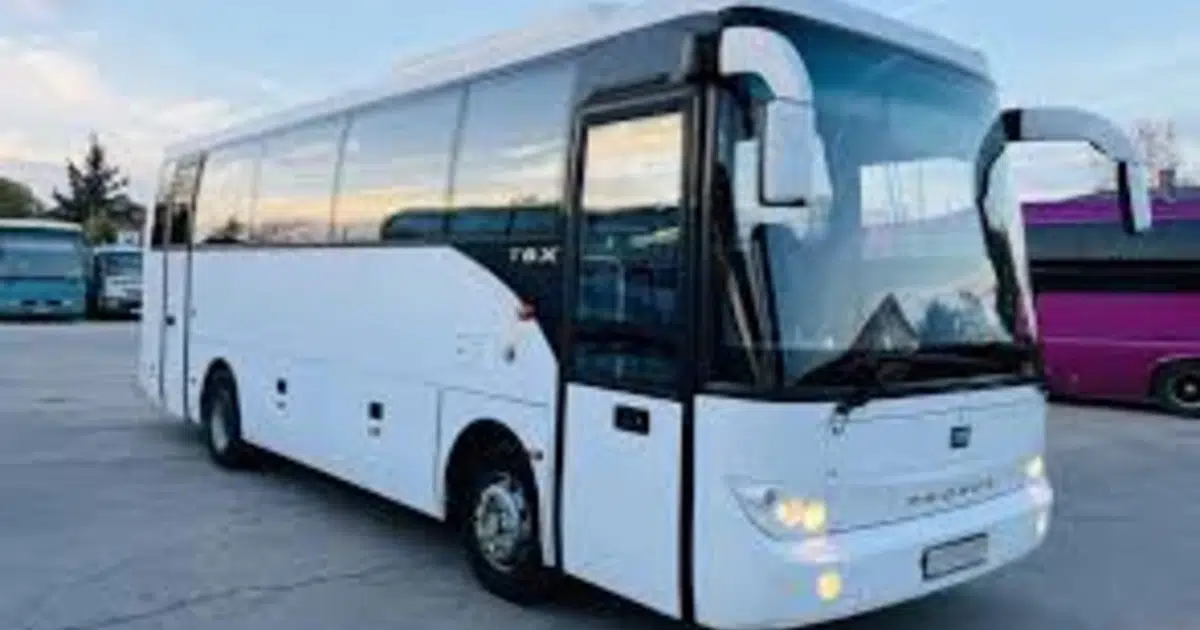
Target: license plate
(955, 556)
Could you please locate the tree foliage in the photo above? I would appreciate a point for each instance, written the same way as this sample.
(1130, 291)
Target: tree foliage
(95, 196)
(17, 200)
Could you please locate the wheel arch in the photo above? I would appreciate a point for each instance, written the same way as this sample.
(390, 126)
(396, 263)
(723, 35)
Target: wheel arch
(1162, 365)
(474, 441)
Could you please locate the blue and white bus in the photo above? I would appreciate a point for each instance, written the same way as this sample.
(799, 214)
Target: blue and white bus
(43, 269)
(599, 295)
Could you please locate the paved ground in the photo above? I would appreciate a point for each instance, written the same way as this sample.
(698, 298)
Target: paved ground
(111, 518)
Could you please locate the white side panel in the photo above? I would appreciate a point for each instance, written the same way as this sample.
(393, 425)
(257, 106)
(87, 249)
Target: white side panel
(150, 327)
(532, 424)
(173, 334)
(621, 497)
(393, 456)
(345, 327)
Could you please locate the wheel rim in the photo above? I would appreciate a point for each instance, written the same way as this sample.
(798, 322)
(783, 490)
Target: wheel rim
(1185, 390)
(218, 428)
(501, 521)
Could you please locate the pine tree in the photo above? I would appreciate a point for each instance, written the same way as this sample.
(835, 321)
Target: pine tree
(96, 189)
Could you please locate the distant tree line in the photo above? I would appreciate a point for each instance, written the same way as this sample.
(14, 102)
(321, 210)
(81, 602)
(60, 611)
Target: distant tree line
(95, 198)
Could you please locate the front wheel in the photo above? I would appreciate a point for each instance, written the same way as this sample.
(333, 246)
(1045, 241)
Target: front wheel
(1177, 389)
(500, 532)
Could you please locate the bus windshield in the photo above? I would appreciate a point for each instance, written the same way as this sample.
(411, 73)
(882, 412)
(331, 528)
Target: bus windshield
(38, 254)
(903, 263)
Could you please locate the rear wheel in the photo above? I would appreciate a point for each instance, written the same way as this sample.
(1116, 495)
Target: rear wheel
(499, 521)
(221, 422)
(1177, 389)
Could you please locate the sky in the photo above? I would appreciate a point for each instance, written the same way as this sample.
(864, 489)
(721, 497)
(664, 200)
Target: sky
(143, 73)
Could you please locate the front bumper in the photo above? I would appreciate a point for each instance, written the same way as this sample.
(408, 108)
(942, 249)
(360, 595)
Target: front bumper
(745, 580)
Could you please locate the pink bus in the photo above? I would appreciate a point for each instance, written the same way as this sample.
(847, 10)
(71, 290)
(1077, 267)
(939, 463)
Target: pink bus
(1119, 315)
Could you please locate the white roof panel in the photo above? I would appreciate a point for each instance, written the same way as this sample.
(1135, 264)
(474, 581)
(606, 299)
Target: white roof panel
(576, 28)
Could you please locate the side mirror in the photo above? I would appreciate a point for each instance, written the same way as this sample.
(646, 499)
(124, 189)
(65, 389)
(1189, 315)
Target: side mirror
(1059, 124)
(792, 167)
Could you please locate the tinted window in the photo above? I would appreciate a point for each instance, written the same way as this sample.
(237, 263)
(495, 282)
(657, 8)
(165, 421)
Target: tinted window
(415, 225)
(626, 309)
(295, 198)
(226, 201)
(1107, 241)
(513, 149)
(159, 218)
(397, 160)
(182, 200)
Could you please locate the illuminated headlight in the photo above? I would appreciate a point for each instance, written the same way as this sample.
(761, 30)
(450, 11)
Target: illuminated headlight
(780, 515)
(1035, 468)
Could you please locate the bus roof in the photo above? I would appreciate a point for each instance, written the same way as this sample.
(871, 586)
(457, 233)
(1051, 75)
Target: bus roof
(39, 224)
(588, 25)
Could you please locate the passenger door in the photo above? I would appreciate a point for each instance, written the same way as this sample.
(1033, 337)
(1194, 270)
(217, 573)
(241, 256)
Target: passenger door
(176, 287)
(154, 289)
(626, 353)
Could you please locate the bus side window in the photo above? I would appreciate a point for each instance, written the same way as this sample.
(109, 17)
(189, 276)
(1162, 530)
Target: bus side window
(396, 161)
(181, 202)
(295, 186)
(512, 155)
(159, 217)
(158, 229)
(225, 202)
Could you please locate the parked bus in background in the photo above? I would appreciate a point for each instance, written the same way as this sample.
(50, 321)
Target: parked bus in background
(115, 283)
(1119, 316)
(43, 269)
(600, 295)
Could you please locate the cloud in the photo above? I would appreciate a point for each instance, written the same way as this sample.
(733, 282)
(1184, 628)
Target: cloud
(66, 94)
(35, 9)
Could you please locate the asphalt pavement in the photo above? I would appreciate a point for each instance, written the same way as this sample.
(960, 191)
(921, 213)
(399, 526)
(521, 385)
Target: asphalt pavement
(111, 517)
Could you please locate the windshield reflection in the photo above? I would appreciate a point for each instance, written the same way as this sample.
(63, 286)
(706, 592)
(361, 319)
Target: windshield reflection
(903, 261)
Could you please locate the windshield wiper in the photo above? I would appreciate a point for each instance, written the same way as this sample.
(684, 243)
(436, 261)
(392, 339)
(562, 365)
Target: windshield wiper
(871, 372)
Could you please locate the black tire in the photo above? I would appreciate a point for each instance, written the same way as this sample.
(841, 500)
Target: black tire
(514, 572)
(1177, 389)
(221, 424)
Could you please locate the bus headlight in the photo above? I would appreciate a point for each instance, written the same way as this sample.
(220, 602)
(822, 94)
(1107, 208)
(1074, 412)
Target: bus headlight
(780, 515)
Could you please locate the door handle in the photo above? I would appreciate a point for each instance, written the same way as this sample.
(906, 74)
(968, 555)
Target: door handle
(632, 420)
(170, 320)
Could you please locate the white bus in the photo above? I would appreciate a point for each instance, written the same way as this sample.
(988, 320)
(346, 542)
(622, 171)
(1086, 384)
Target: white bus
(630, 299)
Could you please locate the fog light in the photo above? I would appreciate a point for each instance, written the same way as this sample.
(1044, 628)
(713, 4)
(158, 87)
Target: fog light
(1042, 524)
(1035, 468)
(829, 586)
